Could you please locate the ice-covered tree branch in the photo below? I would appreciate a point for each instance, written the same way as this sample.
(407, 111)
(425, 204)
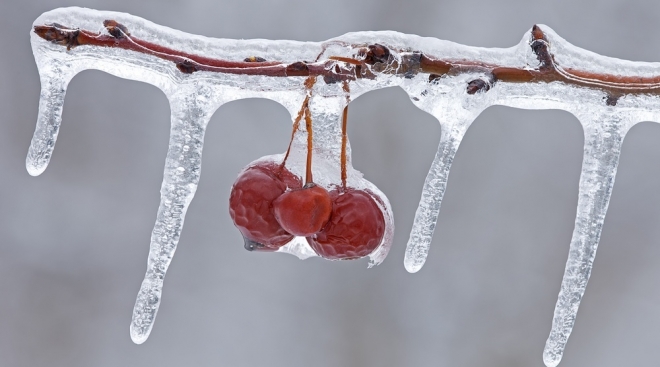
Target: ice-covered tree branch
(366, 63)
(452, 82)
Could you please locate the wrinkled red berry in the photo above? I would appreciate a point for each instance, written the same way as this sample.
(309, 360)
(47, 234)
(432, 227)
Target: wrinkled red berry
(305, 211)
(251, 205)
(355, 228)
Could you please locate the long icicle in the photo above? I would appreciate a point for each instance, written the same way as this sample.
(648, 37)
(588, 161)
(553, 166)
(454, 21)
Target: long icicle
(190, 115)
(603, 136)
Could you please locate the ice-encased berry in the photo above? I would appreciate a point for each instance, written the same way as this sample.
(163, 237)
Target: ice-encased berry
(355, 228)
(251, 205)
(305, 211)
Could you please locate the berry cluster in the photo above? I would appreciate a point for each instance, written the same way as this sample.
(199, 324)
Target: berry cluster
(270, 206)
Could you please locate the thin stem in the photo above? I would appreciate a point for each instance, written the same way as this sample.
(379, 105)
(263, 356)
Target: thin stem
(344, 135)
(308, 124)
(296, 126)
(309, 84)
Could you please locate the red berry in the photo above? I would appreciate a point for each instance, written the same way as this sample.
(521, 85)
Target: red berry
(355, 229)
(305, 211)
(251, 205)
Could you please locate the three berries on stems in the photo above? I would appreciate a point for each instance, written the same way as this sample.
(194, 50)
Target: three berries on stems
(270, 205)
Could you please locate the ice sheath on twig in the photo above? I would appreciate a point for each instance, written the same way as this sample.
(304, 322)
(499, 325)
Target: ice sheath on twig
(452, 82)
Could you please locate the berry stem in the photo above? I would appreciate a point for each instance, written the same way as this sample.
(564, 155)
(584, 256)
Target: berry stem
(308, 124)
(344, 135)
(309, 83)
(296, 126)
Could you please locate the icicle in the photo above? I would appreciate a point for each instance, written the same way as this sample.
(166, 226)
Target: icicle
(190, 115)
(603, 136)
(428, 210)
(55, 78)
(448, 101)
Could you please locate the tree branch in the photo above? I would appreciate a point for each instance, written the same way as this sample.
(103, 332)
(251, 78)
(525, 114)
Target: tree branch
(367, 63)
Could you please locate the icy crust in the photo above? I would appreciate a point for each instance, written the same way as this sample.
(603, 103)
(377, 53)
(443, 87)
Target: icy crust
(195, 97)
(575, 57)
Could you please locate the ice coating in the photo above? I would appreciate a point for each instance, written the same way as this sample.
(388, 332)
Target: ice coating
(543, 71)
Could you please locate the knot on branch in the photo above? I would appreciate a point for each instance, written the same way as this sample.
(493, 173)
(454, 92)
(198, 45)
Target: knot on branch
(297, 69)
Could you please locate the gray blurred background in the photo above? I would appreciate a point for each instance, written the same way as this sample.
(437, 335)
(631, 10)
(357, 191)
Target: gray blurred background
(74, 242)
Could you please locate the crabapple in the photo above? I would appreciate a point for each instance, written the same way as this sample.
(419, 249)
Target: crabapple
(356, 226)
(251, 205)
(305, 211)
